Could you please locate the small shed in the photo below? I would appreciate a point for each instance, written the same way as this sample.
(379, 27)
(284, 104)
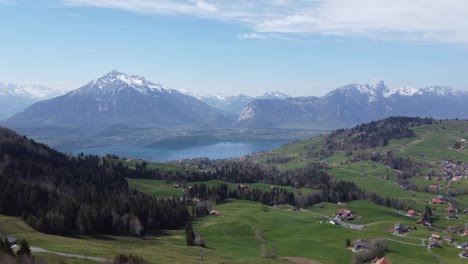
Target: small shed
(215, 212)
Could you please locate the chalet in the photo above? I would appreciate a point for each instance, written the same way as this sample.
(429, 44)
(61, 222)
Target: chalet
(434, 237)
(433, 244)
(433, 186)
(400, 229)
(452, 215)
(448, 239)
(243, 186)
(427, 178)
(176, 185)
(442, 198)
(383, 261)
(445, 178)
(215, 212)
(344, 214)
(456, 178)
(463, 245)
(436, 178)
(465, 232)
(436, 201)
(465, 211)
(360, 245)
(450, 209)
(412, 212)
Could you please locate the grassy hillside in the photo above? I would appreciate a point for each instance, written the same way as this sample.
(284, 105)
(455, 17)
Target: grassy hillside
(244, 228)
(246, 232)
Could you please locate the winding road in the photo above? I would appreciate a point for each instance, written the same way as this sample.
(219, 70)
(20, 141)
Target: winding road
(96, 259)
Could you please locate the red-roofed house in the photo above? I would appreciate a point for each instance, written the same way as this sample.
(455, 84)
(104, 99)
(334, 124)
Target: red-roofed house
(344, 214)
(383, 261)
(436, 201)
(412, 212)
(434, 187)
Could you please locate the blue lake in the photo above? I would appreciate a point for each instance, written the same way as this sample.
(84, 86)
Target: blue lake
(219, 150)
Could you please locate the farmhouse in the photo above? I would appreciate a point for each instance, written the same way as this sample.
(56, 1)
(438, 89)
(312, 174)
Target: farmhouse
(456, 178)
(427, 178)
(463, 245)
(433, 244)
(400, 229)
(412, 212)
(360, 245)
(433, 186)
(434, 237)
(215, 212)
(448, 239)
(344, 214)
(451, 214)
(436, 201)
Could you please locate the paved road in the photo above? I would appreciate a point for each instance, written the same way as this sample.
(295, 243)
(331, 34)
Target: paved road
(41, 250)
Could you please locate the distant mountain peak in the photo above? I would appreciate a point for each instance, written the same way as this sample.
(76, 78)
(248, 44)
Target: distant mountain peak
(116, 81)
(274, 95)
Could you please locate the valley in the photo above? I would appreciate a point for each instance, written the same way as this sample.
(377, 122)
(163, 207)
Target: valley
(249, 231)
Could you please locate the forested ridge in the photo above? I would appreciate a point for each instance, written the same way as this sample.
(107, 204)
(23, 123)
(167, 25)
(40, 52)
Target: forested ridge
(58, 194)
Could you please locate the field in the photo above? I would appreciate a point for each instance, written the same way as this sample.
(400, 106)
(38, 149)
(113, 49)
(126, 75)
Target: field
(246, 230)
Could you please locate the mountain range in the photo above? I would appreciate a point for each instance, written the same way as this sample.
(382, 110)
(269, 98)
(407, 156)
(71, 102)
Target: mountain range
(233, 103)
(14, 98)
(117, 98)
(356, 103)
(117, 107)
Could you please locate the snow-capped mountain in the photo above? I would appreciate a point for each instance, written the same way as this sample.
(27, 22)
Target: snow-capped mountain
(14, 98)
(356, 103)
(117, 98)
(233, 103)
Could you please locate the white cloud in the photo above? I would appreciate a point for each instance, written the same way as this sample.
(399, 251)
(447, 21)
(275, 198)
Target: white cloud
(252, 35)
(443, 21)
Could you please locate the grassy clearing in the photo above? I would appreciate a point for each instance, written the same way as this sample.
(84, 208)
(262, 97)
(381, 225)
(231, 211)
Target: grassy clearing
(163, 189)
(156, 188)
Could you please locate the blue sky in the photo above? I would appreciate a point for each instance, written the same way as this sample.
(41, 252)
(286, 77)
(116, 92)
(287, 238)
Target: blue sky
(301, 47)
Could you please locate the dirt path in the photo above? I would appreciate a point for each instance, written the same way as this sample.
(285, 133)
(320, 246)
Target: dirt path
(41, 250)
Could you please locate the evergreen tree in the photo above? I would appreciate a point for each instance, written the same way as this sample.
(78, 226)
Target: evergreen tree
(427, 217)
(189, 234)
